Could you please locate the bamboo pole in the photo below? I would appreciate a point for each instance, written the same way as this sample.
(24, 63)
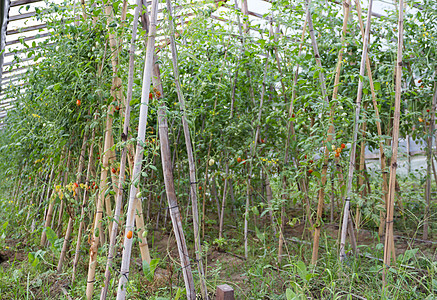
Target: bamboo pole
(136, 173)
(252, 156)
(346, 216)
(389, 241)
(429, 162)
(191, 163)
(316, 52)
(170, 190)
(61, 207)
(76, 199)
(84, 202)
(361, 173)
(292, 132)
(121, 179)
(99, 207)
(378, 125)
(330, 135)
(49, 214)
(117, 94)
(173, 205)
(225, 188)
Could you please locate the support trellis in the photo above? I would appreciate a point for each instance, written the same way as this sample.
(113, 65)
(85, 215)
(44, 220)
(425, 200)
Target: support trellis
(117, 182)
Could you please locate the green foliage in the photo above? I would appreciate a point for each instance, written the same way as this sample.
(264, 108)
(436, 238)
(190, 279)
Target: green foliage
(149, 269)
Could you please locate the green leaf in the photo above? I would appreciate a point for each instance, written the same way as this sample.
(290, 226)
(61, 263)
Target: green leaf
(51, 236)
(179, 293)
(377, 86)
(290, 294)
(149, 269)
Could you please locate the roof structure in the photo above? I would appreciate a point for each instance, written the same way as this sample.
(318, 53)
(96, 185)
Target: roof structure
(21, 32)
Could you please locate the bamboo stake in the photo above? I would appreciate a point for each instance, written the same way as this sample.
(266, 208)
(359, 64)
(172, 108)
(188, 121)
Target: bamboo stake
(389, 241)
(191, 163)
(61, 208)
(316, 52)
(119, 198)
(170, 191)
(117, 94)
(330, 136)
(252, 156)
(346, 215)
(322, 87)
(292, 132)
(429, 161)
(378, 125)
(99, 208)
(18, 185)
(136, 173)
(49, 215)
(215, 194)
(361, 173)
(84, 202)
(225, 188)
(76, 199)
(173, 205)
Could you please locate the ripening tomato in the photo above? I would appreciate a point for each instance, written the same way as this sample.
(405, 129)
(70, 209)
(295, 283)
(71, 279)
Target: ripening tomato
(78, 102)
(310, 171)
(76, 185)
(343, 146)
(337, 154)
(129, 234)
(150, 96)
(200, 188)
(239, 159)
(113, 170)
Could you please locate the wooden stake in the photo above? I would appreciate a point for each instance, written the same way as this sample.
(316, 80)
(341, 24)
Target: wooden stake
(429, 161)
(191, 163)
(378, 125)
(292, 133)
(389, 241)
(330, 136)
(76, 199)
(173, 205)
(346, 216)
(116, 93)
(84, 202)
(136, 174)
(121, 179)
(61, 206)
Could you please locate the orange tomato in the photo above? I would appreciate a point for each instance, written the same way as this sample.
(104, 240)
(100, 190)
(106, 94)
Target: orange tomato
(78, 102)
(129, 234)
